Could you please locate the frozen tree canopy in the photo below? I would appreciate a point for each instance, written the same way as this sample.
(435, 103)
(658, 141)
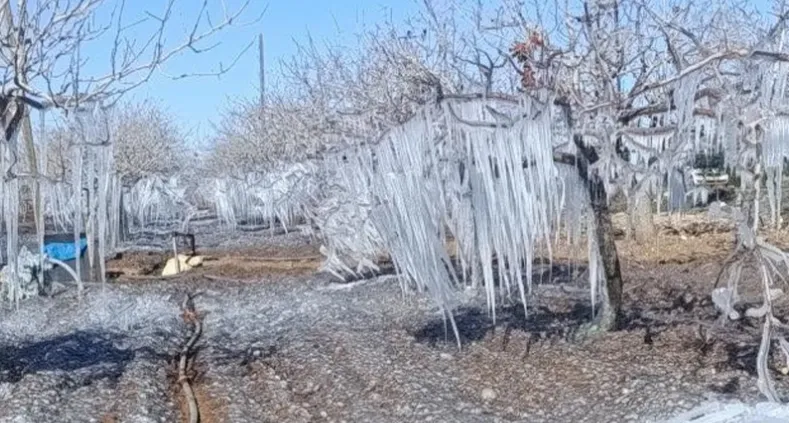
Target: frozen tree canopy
(453, 171)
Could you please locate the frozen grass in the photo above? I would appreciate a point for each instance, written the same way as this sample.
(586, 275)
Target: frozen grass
(111, 310)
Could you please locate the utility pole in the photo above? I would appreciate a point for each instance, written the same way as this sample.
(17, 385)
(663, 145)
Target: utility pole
(262, 63)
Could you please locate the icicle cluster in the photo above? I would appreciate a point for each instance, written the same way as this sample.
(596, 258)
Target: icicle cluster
(88, 202)
(452, 173)
(775, 149)
(277, 195)
(156, 201)
(94, 188)
(513, 196)
(9, 193)
(342, 213)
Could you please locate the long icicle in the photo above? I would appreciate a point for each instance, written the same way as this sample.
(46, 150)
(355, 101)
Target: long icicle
(76, 189)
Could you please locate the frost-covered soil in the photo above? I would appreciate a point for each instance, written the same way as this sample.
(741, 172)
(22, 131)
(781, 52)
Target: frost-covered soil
(297, 349)
(734, 412)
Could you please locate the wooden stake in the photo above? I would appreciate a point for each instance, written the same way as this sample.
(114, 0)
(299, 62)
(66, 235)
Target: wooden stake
(175, 256)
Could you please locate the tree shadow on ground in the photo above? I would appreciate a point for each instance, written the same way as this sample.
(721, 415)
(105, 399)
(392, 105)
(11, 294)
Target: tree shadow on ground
(742, 357)
(70, 352)
(475, 323)
(544, 272)
(557, 273)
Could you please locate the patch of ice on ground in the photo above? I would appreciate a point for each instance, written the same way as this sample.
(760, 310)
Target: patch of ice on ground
(127, 313)
(734, 412)
(112, 310)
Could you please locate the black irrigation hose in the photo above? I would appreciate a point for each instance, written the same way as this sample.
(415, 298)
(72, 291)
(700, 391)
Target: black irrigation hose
(190, 316)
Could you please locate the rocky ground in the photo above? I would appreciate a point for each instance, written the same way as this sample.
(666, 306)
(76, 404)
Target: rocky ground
(289, 345)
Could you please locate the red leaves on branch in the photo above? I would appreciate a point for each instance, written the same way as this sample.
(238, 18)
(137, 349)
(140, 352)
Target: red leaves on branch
(535, 39)
(523, 52)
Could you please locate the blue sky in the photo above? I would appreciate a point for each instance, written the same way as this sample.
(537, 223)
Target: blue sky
(196, 102)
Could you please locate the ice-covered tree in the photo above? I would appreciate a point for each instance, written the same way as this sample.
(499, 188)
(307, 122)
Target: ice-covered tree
(598, 97)
(147, 142)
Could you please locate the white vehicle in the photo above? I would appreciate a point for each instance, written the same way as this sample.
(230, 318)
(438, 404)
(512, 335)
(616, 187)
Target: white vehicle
(709, 177)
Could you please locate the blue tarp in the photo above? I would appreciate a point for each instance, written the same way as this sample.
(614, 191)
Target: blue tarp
(65, 251)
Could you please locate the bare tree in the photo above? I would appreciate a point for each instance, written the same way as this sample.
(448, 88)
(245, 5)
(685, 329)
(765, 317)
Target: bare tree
(245, 143)
(643, 87)
(147, 142)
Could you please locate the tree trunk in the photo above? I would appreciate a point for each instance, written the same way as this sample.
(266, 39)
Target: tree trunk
(123, 219)
(642, 218)
(630, 230)
(610, 314)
